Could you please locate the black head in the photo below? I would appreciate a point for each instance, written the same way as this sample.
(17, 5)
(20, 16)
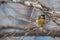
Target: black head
(41, 16)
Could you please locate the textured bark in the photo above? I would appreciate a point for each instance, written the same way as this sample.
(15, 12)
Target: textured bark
(36, 32)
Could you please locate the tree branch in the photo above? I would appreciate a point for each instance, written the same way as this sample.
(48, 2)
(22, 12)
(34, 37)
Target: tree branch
(50, 14)
(32, 32)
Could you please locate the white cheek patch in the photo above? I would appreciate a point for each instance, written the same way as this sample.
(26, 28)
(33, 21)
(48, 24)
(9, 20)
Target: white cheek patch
(41, 16)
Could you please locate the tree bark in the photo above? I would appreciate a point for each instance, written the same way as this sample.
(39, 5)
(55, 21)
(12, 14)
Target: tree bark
(36, 32)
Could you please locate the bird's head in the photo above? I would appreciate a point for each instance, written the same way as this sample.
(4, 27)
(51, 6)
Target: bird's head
(41, 16)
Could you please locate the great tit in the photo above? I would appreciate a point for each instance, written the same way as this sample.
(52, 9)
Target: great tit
(41, 20)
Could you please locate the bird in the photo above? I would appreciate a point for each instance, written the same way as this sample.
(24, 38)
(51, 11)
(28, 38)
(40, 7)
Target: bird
(41, 20)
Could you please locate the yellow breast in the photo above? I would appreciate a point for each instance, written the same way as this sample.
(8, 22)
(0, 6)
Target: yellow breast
(40, 21)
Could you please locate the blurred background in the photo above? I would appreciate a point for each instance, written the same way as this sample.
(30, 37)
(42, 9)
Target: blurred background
(16, 14)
